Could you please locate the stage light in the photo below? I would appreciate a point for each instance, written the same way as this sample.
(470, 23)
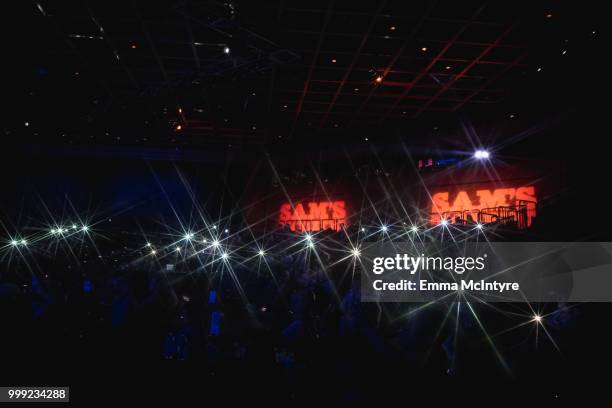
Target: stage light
(481, 154)
(23, 242)
(224, 256)
(14, 242)
(262, 252)
(384, 228)
(308, 237)
(214, 227)
(362, 229)
(334, 61)
(226, 50)
(148, 245)
(74, 226)
(54, 231)
(153, 252)
(537, 318)
(226, 231)
(423, 49)
(84, 228)
(414, 228)
(479, 226)
(215, 243)
(444, 222)
(177, 249)
(188, 236)
(379, 79)
(356, 252)
(204, 241)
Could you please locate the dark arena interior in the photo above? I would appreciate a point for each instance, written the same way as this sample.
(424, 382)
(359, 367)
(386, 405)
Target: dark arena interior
(192, 186)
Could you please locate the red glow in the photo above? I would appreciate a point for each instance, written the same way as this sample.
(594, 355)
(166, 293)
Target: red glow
(314, 216)
(484, 205)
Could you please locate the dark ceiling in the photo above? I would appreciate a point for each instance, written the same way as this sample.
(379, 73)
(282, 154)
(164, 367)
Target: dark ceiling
(158, 73)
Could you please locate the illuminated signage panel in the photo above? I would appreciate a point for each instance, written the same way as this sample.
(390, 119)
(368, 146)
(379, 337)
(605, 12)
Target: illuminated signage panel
(503, 205)
(314, 215)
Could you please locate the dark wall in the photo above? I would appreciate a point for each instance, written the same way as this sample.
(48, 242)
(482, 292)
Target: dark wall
(146, 190)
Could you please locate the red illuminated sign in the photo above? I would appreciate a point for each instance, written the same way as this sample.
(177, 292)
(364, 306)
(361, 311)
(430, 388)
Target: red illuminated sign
(483, 205)
(314, 216)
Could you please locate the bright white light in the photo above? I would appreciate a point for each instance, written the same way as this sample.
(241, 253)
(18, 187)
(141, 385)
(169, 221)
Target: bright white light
(308, 237)
(84, 228)
(479, 226)
(153, 252)
(74, 226)
(14, 242)
(226, 230)
(537, 318)
(189, 236)
(214, 227)
(311, 244)
(261, 252)
(224, 256)
(148, 245)
(384, 228)
(414, 228)
(481, 154)
(177, 249)
(54, 231)
(363, 230)
(444, 222)
(226, 50)
(215, 243)
(356, 252)
(204, 240)
(23, 242)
